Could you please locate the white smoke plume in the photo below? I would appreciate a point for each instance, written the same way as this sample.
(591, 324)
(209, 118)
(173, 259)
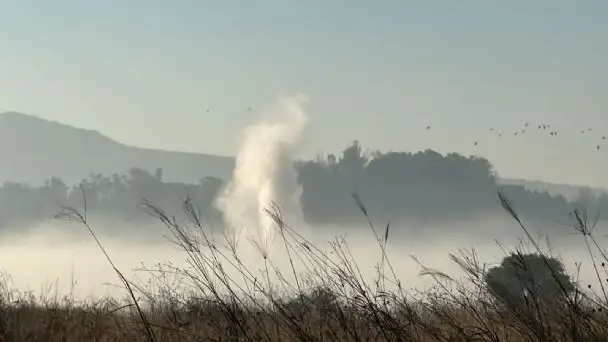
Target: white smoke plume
(264, 170)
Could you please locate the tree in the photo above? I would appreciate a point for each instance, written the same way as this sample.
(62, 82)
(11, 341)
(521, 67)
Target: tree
(520, 276)
(321, 299)
(353, 160)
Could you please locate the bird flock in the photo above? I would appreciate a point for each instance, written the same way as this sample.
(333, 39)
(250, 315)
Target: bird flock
(542, 128)
(546, 129)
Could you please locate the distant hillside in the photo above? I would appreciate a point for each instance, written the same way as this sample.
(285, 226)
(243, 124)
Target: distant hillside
(567, 190)
(33, 149)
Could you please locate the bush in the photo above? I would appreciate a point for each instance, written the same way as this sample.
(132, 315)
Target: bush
(531, 275)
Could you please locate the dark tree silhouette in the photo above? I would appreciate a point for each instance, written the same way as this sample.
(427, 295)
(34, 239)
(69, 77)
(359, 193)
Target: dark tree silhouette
(521, 277)
(425, 185)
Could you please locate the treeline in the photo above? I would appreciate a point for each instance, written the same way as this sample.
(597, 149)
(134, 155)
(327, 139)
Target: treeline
(424, 185)
(118, 197)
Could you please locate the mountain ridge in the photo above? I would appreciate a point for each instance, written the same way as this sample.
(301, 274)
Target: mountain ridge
(34, 149)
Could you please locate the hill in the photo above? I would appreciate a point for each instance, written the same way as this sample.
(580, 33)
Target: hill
(567, 190)
(33, 149)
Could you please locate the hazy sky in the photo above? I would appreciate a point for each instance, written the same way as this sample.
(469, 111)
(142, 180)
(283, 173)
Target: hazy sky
(143, 73)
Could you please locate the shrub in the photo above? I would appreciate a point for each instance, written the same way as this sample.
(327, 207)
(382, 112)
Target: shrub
(520, 276)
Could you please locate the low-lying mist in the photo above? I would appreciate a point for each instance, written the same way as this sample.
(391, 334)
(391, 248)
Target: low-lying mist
(55, 253)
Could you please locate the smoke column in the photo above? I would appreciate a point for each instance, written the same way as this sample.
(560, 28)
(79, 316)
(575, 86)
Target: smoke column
(264, 170)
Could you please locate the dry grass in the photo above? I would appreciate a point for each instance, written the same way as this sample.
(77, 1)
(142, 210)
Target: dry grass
(330, 301)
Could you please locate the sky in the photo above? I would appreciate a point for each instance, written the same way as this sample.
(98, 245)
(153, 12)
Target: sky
(145, 72)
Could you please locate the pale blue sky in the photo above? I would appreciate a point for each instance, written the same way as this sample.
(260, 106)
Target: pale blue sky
(143, 73)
